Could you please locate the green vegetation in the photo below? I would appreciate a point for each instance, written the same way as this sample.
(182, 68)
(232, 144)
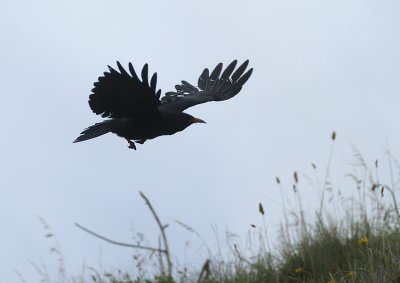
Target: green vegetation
(353, 238)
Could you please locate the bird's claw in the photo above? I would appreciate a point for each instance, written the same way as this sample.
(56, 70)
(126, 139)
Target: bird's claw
(131, 145)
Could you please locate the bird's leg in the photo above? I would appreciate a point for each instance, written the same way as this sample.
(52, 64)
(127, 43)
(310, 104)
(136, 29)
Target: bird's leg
(131, 144)
(141, 141)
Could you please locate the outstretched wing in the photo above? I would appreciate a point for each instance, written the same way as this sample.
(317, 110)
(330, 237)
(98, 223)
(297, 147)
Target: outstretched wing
(211, 87)
(124, 95)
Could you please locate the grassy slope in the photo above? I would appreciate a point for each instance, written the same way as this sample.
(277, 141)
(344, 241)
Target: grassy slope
(361, 245)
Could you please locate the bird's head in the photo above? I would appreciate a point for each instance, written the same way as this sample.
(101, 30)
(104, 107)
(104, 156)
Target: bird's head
(178, 121)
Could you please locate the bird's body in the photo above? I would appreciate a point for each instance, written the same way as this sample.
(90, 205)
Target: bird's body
(169, 123)
(137, 114)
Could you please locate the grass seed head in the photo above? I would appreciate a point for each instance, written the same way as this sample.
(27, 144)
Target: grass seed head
(261, 208)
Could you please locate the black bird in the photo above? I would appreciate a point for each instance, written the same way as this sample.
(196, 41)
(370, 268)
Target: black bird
(136, 112)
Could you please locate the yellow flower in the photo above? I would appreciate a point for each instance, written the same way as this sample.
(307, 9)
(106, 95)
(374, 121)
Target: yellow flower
(363, 241)
(299, 270)
(350, 274)
(332, 281)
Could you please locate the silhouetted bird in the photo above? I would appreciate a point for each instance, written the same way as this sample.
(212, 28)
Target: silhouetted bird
(137, 113)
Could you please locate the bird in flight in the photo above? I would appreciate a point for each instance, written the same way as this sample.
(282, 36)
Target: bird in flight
(135, 111)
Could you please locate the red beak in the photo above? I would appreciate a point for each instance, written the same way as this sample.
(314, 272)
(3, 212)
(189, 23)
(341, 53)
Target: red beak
(197, 120)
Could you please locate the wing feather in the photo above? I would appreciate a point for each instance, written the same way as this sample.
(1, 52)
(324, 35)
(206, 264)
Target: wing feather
(228, 71)
(153, 83)
(133, 73)
(214, 87)
(122, 70)
(145, 75)
(242, 80)
(216, 72)
(202, 79)
(240, 71)
(118, 94)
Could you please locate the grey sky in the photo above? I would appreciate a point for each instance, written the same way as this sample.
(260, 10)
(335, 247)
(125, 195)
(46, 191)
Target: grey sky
(318, 66)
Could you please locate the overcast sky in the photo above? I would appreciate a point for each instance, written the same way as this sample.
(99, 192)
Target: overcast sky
(319, 66)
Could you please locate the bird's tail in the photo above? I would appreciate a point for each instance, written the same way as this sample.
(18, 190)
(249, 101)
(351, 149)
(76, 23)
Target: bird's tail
(96, 130)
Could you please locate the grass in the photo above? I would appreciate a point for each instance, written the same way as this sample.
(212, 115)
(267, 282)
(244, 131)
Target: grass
(354, 238)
